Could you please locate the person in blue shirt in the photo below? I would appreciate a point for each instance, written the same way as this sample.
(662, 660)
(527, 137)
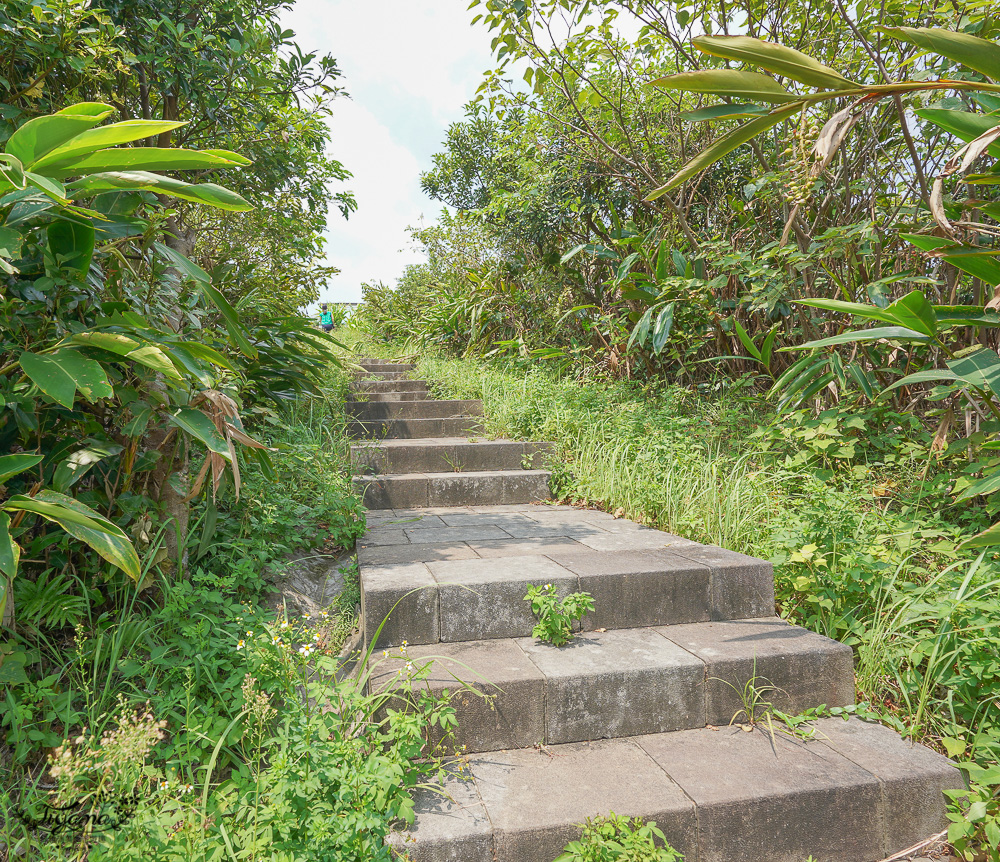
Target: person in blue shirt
(326, 318)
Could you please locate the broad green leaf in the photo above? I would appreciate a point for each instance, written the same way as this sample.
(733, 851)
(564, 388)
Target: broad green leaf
(727, 144)
(106, 136)
(40, 136)
(60, 374)
(93, 529)
(10, 552)
(979, 262)
(233, 323)
(12, 175)
(966, 315)
(775, 58)
(980, 368)
(149, 355)
(10, 243)
(573, 252)
(209, 354)
(987, 485)
(746, 340)
(962, 124)
(728, 82)
(11, 465)
(921, 377)
(979, 54)
(199, 426)
(869, 312)
(661, 331)
(143, 159)
(71, 470)
(641, 330)
(53, 188)
(71, 244)
(723, 112)
(914, 312)
(987, 538)
(878, 333)
(625, 267)
(205, 193)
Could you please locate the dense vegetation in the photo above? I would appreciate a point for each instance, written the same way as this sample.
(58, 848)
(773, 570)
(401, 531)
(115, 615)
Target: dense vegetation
(766, 237)
(171, 436)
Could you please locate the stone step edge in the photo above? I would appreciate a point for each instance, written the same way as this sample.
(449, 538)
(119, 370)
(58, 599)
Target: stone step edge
(510, 486)
(855, 792)
(671, 678)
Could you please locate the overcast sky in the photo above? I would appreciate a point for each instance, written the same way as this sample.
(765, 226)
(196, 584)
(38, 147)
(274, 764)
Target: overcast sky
(409, 66)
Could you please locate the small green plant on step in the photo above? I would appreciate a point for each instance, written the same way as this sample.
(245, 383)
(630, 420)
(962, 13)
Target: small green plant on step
(556, 616)
(974, 832)
(619, 839)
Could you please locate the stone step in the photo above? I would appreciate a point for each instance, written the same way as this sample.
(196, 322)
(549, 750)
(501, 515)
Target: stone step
(368, 411)
(627, 682)
(854, 792)
(383, 375)
(457, 454)
(404, 490)
(367, 397)
(389, 385)
(379, 365)
(413, 429)
(471, 570)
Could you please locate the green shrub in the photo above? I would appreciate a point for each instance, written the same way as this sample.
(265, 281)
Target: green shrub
(619, 839)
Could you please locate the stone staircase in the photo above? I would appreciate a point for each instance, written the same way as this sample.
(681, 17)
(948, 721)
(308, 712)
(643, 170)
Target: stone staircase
(635, 715)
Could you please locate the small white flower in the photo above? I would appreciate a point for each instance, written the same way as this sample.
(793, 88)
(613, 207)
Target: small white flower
(284, 624)
(240, 644)
(385, 653)
(187, 788)
(409, 667)
(164, 784)
(305, 651)
(249, 634)
(548, 586)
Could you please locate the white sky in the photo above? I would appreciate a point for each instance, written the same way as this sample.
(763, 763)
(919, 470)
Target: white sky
(409, 66)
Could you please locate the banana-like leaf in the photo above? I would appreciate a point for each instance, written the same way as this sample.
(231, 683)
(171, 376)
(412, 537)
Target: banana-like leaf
(147, 354)
(986, 539)
(878, 333)
(661, 330)
(723, 112)
(40, 136)
(61, 373)
(962, 124)
(199, 426)
(73, 468)
(980, 369)
(146, 159)
(71, 244)
(10, 555)
(204, 193)
(105, 136)
(724, 145)
(978, 262)
(775, 58)
(11, 465)
(987, 485)
(728, 82)
(921, 377)
(971, 51)
(83, 523)
(913, 311)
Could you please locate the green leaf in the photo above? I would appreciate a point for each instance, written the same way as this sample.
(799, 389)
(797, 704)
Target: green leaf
(199, 426)
(10, 243)
(962, 124)
(205, 193)
(987, 485)
(147, 354)
(725, 145)
(40, 136)
(978, 262)
(70, 471)
(233, 323)
(641, 330)
(110, 135)
(971, 51)
(914, 312)
(11, 465)
(723, 112)
(100, 534)
(661, 331)
(728, 82)
(60, 374)
(869, 312)
(144, 159)
(921, 377)
(980, 368)
(10, 553)
(775, 58)
(71, 244)
(891, 333)
(746, 340)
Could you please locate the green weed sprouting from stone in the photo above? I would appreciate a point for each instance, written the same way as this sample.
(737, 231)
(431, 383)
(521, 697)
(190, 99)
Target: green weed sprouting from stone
(556, 616)
(619, 839)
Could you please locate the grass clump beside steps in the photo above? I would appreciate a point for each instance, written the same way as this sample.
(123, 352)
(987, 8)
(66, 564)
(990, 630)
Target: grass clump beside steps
(864, 545)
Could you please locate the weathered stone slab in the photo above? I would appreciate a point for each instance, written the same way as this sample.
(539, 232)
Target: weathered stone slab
(795, 668)
(645, 588)
(414, 428)
(423, 553)
(537, 799)
(634, 540)
(500, 519)
(742, 587)
(523, 547)
(775, 798)
(458, 489)
(912, 777)
(384, 596)
(384, 536)
(523, 486)
(536, 530)
(424, 409)
(485, 598)
(451, 826)
(509, 712)
(391, 492)
(617, 683)
(421, 535)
